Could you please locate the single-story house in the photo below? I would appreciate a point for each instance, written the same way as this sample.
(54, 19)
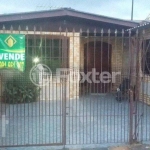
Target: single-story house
(80, 41)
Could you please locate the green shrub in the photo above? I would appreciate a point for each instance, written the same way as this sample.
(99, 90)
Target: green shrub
(19, 89)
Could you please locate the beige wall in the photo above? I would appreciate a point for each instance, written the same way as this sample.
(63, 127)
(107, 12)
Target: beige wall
(74, 64)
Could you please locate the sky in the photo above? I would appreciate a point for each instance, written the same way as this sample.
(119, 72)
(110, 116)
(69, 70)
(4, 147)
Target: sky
(112, 8)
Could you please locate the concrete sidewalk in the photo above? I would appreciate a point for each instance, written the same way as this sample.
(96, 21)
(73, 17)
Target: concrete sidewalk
(131, 147)
(126, 147)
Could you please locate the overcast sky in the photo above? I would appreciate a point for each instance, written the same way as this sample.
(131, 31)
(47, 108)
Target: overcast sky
(112, 8)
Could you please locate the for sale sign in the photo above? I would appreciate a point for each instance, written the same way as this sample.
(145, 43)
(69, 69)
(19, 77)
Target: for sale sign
(12, 51)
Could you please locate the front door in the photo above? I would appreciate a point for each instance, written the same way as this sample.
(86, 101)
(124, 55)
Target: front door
(97, 55)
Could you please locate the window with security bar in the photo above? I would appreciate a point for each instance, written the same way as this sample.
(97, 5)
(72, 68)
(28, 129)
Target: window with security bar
(52, 52)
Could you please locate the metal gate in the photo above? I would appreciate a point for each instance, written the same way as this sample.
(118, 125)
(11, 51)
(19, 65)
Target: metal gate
(81, 88)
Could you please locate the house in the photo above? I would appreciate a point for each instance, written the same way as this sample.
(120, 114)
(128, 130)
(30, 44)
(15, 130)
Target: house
(67, 38)
(84, 57)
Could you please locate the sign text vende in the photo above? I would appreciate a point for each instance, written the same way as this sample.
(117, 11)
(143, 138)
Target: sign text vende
(12, 56)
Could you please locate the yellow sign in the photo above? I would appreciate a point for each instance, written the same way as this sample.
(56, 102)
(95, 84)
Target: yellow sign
(10, 41)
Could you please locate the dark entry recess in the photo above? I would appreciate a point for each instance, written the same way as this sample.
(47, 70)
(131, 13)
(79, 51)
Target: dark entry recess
(97, 55)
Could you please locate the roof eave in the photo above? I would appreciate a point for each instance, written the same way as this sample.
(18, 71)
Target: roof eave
(66, 12)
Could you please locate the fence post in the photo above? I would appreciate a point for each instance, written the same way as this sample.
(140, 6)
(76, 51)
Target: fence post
(131, 140)
(64, 111)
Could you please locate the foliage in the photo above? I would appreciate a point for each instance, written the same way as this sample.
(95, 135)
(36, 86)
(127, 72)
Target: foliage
(19, 89)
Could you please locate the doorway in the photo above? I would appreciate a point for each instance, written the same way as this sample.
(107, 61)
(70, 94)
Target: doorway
(97, 55)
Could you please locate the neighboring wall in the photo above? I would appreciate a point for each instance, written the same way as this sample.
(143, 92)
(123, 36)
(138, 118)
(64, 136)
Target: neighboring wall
(144, 79)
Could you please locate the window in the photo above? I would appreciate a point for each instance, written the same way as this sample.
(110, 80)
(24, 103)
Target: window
(49, 51)
(146, 57)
